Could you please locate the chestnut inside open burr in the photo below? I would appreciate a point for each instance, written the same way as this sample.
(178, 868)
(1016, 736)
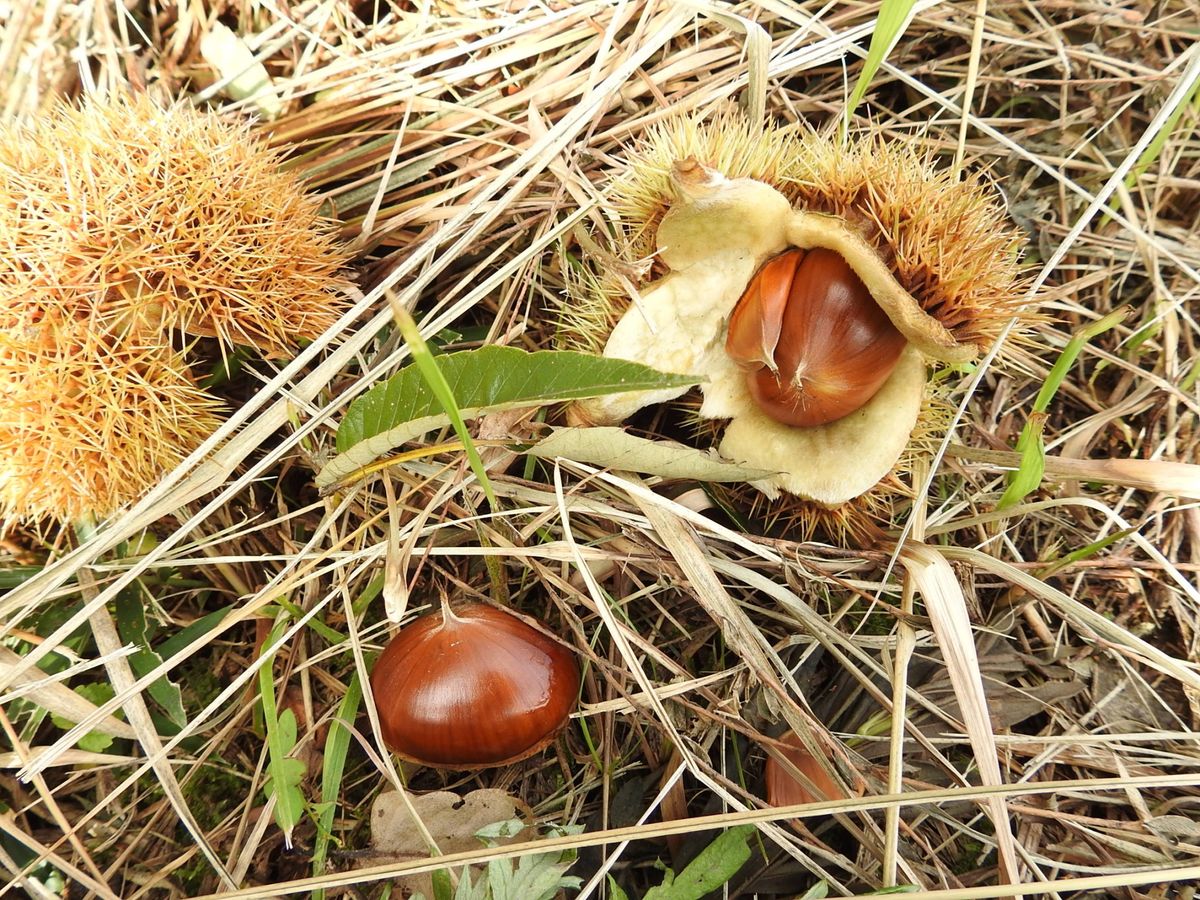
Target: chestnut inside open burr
(814, 344)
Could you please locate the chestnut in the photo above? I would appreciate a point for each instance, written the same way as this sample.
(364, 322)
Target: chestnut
(472, 688)
(814, 343)
(782, 787)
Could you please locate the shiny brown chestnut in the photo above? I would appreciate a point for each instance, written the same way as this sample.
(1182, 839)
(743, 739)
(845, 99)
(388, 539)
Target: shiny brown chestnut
(815, 345)
(782, 787)
(472, 688)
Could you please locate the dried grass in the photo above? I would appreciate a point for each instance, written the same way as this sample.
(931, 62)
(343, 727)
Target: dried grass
(459, 148)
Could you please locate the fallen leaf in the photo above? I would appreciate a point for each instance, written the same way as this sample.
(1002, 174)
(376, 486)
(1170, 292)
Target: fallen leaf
(452, 821)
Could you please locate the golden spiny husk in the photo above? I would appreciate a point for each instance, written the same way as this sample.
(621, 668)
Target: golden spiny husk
(125, 225)
(88, 422)
(167, 213)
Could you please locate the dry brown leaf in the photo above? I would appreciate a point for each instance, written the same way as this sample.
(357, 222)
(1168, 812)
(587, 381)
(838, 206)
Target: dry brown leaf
(452, 821)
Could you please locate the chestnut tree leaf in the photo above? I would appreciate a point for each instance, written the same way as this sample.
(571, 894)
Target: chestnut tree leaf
(615, 448)
(485, 380)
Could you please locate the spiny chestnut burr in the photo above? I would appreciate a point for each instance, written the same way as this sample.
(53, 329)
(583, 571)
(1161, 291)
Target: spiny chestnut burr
(472, 688)
(831, 405)
(814, 344)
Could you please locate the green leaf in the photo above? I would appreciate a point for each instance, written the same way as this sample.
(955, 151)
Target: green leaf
(537, 877)
(98, 694)
(131, 625)
(893, 18)
(189, 634)
(431, 371)
(1030, 445)
(442, 888)
(615, 448)
(484, 380)
(716, 864)
(284, 774)
(614, 890)
(1191, 102)
(337, 746)
(506, 829)
(1028, 475)
(540, 877)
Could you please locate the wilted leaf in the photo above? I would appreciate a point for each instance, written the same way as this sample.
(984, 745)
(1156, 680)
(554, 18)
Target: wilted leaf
(487, 379)
(1175, 829)
(615, 448)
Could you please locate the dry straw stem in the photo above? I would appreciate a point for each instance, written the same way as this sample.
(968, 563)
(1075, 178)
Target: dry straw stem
(1117, 757)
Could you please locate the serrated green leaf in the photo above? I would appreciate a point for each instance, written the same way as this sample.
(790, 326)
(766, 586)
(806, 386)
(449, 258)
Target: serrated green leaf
(484, 380)
(538, 877)
(468, 890)
(716, 864)
(615, 448)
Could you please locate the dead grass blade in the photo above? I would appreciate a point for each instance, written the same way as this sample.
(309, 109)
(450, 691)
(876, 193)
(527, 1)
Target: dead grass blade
(947, 609)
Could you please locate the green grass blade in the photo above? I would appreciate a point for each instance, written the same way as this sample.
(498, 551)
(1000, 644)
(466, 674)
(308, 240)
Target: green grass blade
(1191, 103)
(1030, 444)
(433, 376)
(337, 746)
(894, 16)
